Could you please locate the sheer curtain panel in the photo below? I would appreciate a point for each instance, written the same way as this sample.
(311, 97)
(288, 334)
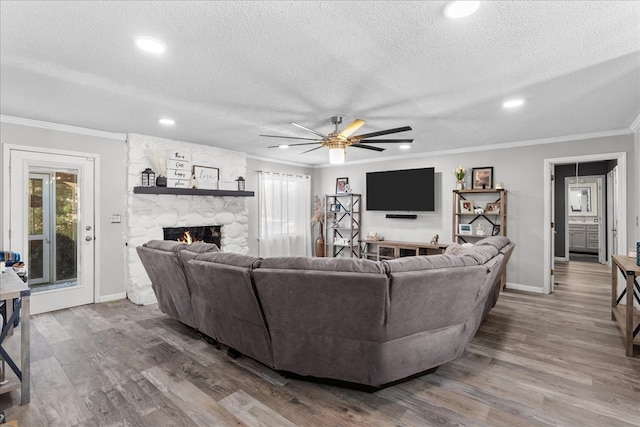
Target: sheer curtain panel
(285, 212)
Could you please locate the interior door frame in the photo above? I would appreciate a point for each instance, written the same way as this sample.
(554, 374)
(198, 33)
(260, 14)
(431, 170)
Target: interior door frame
(549, 167)
(6, 207)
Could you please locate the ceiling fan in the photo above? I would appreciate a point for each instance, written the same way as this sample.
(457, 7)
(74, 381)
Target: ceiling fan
(338, 141)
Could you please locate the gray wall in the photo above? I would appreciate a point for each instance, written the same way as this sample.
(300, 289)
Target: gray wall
(521, 171)
(569, 170)
(253, 166)
(112, 190)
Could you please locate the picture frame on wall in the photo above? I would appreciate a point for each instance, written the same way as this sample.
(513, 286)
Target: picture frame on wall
(482, 178)
(206, 177)
(464, 229)
(466, 206)
(342, 185)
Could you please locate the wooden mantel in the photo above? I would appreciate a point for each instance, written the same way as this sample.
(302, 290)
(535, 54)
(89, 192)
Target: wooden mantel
(191, 191)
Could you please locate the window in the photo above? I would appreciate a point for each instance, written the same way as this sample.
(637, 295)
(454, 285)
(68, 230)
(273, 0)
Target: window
(285, 211)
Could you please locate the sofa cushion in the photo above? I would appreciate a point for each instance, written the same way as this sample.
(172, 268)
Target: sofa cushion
(497, 242)
(480, 253)
(237, 260)
(418, 263)
(165, 245)
(349, 265)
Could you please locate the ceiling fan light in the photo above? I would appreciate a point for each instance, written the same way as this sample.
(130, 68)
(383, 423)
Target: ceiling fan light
(405, 146)
(336, 156)
(283, 146)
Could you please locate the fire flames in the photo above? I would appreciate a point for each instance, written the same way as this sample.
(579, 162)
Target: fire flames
(186, 238)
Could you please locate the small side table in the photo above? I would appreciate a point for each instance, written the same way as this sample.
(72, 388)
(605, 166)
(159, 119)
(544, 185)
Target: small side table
(14, 292)
(627, 317)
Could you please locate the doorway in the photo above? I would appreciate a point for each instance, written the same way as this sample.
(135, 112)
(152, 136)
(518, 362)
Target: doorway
(615, 223)
(51, 224)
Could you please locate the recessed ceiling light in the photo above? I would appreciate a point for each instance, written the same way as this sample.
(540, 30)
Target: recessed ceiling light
(283, 146)
(513, 103)
(460, 9)
(404, 146)
(151, 45)
(167, 122)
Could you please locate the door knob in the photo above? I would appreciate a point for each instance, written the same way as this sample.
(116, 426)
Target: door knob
(88, 238)
(88, 228)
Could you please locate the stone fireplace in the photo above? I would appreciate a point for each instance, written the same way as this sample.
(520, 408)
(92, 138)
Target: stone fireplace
(149, 215)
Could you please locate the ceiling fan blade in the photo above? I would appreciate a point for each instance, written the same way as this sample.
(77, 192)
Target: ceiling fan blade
(290, 137)
(313, 149)
(385, 141)
(357, 124)
(383, 132)
(368, 147)
(295, 145)
(310, 130)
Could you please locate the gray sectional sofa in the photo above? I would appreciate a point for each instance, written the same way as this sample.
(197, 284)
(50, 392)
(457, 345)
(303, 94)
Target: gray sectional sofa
(350, 320)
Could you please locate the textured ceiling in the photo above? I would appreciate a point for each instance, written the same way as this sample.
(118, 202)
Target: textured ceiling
(234, 70)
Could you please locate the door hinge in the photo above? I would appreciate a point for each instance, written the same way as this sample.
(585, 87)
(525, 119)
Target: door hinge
(553, 224)
(552, 272)
(553, 177)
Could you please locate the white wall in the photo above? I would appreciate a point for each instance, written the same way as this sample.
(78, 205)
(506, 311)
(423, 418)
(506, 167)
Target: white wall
(254, 165)
(520, 170)
(112, 187)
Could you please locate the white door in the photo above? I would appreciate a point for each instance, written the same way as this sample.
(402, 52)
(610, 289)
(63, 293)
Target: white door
(52, 226)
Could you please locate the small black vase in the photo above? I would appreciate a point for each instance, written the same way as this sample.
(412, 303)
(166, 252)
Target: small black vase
(161, 181)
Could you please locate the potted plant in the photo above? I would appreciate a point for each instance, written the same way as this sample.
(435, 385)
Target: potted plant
(459, 173)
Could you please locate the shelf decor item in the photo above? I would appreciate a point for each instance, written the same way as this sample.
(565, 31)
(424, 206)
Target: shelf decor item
(342, 185)
(459, 173)
(638, 254)
(148, 178)
(207, 177)
(159, 162)
(466, 206)
(482, 178)
(318, 218)
(242, 184)
(464, 229)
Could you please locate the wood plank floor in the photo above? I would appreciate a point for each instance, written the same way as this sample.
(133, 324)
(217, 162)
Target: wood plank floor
(537, 360)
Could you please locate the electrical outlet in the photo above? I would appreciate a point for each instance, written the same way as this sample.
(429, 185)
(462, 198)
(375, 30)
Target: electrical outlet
(115, 219)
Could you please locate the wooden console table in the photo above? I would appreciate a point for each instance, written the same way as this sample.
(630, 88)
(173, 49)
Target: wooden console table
(379, 250)
(14, 292)
(627, 317)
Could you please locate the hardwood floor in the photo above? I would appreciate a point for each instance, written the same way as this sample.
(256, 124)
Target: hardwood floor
(537, 360)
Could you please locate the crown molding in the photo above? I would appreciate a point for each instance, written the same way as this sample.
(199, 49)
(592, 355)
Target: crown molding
(635, 126)
(62, 128)
(283, 162)
(501, 146)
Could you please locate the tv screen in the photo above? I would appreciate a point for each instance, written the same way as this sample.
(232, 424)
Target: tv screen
(401, 190)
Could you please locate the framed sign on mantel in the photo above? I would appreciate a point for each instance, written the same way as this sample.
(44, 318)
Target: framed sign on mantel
(206, 177)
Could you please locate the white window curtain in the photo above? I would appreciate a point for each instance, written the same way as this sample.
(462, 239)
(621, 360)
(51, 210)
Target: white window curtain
(285, 212)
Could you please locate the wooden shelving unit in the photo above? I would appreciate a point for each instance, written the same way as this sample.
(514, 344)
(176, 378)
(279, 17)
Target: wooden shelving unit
(342, 224)
(191, 191)
(489, 220)
(379, 250)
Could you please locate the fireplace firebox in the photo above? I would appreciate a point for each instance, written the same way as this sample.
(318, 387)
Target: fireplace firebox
(205, 233)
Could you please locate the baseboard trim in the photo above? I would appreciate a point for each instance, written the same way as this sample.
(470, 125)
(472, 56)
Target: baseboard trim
(112, 297)
(526, 288)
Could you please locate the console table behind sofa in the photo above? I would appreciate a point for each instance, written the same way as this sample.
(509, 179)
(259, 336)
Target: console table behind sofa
(379, 250)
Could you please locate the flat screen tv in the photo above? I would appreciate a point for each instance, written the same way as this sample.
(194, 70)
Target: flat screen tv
(401, 190)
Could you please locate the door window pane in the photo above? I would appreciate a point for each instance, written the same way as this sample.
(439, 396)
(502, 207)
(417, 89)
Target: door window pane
(66, 211)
